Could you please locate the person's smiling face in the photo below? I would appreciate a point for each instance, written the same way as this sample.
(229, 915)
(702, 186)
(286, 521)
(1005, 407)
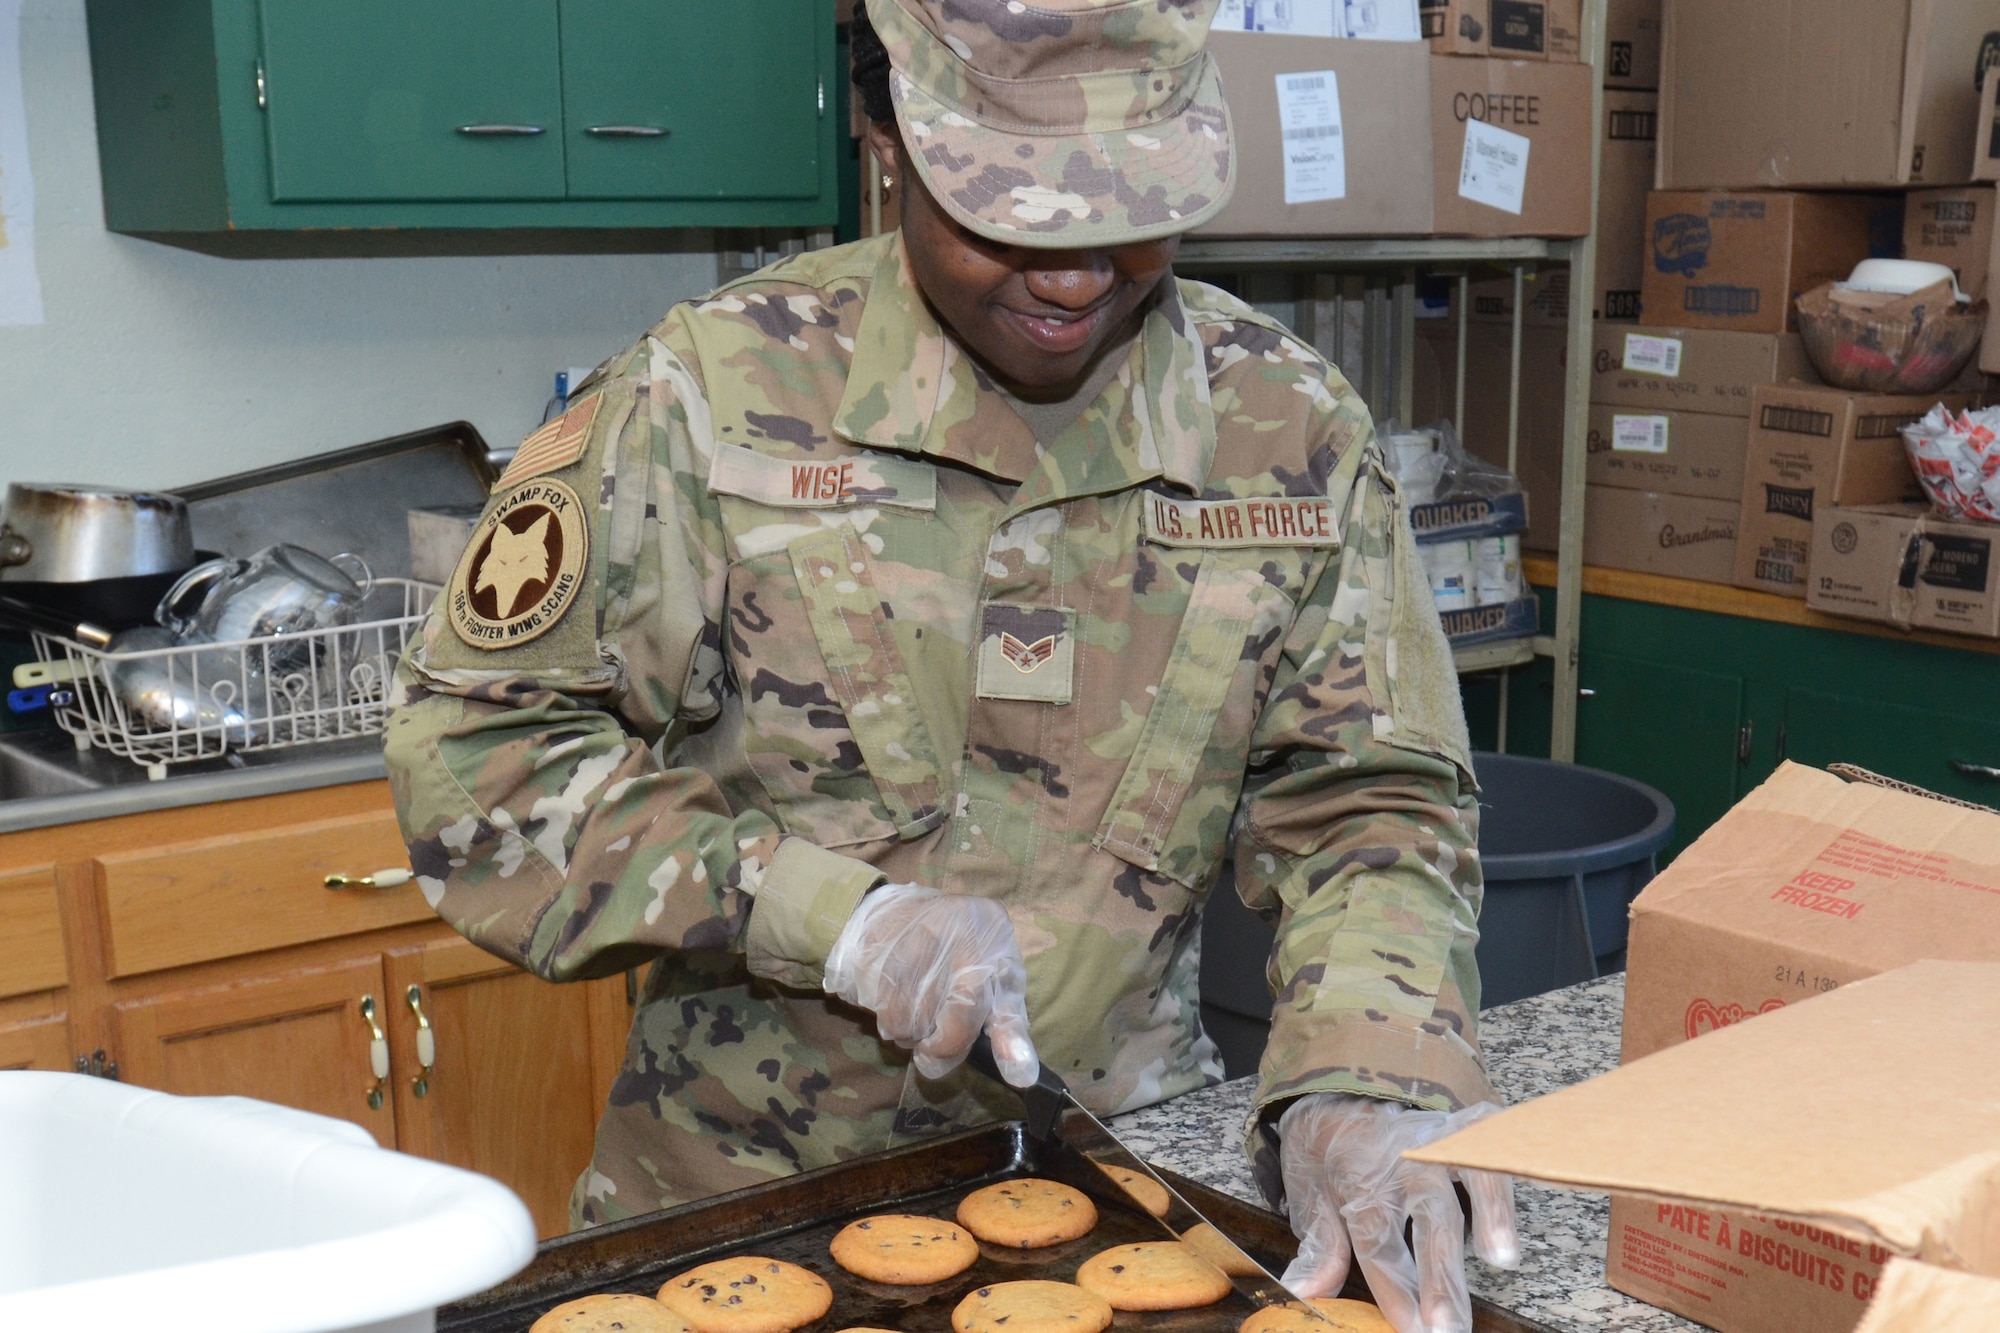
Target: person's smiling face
(1036, 318)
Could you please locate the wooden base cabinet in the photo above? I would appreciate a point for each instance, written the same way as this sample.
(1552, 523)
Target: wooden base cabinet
(516, 1070)
(203, 952)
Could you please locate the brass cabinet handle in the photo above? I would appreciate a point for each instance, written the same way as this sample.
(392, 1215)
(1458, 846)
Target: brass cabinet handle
(628, 131)
(378, 1052)
(427, 1050)
(381, 879)
(500, 131)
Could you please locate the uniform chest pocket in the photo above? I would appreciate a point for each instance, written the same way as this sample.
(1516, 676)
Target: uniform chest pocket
(1171, 810)
(836, 735)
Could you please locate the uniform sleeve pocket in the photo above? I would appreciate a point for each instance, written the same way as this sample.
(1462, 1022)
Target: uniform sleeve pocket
(1425, 707)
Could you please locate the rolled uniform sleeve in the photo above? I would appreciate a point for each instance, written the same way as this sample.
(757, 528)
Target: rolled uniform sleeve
(1358, 832)
(541, 822)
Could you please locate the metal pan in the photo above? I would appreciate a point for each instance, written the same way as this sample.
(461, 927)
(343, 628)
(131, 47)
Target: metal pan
(796, 1218)
(120, 603)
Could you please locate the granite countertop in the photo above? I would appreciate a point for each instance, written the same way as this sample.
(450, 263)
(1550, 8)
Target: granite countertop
(1534, 1046)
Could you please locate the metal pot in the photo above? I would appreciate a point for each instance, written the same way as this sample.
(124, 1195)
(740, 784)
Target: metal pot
(77, 534)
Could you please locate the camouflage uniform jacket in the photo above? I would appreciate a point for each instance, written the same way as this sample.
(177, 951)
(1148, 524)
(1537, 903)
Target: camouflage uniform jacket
(844, 621)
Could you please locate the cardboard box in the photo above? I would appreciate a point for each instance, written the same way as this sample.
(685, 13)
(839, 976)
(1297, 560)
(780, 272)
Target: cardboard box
(1625, 178)
(1513, 29)
(1783, 1169)
(1690, 370)
(1678, 453)
(1810, 446)
(1986, 143)
(1544, 299)
(1384, 93)
(1805, 891)
(1537, 108)
(1632, 44)
(1680, 536)
(1737, 261)
(1952, 227)
(1544, 354)
(1821, 93)
(1923, 1298)
(1902, 565)
(1455, 27)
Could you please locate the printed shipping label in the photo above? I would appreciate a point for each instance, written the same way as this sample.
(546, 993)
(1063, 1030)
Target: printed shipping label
(1494, 170)
(1639, 435)
(1310, 136)
(1304, 18)
(1652, 356)
(1380, 20)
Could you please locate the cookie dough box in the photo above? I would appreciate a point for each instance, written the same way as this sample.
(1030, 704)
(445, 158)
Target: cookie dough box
(1798, 903)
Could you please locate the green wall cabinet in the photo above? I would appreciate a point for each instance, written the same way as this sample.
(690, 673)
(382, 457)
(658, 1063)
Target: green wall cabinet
(254, 126)
(1705, 706)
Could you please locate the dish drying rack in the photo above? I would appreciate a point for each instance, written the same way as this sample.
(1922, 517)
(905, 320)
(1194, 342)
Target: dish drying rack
(253, 694)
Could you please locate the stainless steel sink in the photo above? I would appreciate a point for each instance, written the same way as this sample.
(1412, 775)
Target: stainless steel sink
(47, 763)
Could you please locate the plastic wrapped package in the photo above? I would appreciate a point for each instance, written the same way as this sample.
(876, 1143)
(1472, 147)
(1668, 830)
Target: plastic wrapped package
(1956, 456)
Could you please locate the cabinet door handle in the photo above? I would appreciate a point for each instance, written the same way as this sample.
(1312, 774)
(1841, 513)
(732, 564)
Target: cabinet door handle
(381, 879)
(501, 131)
(1973, 770)
(628, 131)
(427, 1051)
(378, 1052)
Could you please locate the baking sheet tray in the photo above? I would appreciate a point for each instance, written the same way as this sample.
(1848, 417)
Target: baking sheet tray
(796, 1218)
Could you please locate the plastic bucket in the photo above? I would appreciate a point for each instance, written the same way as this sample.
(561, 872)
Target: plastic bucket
(1565, 849)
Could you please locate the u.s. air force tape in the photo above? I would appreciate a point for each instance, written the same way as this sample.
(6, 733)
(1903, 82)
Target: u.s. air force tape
(522, 569)
(1278, 520)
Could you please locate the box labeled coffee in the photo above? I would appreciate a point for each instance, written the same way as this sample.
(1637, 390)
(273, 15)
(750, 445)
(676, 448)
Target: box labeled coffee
(1678, 453)
(1690, 370)
(1902, 565)
(1952, 227)
(1738, 260)
(1510, 147)
(1381, 96)
(1811, 446)
(1679, 536)
(1822, 94)
(1625, 178)
(1632, 44)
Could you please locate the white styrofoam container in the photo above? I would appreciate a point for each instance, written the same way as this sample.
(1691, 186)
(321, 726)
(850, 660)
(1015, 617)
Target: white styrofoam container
(126, 1209)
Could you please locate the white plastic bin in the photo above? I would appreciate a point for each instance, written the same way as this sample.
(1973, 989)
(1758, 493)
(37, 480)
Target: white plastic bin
(126, 1209)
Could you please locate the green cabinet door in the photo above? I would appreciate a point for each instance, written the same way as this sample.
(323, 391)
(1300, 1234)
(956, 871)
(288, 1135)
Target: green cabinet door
(694, 99)
(394, 100)
(1671, 727)
(1950, 753)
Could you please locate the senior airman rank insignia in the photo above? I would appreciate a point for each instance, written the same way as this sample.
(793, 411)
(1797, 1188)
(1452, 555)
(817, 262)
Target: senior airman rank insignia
(1027, 652)
(523, 567)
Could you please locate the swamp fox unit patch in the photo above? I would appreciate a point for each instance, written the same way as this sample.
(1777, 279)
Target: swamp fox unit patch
(523, 567)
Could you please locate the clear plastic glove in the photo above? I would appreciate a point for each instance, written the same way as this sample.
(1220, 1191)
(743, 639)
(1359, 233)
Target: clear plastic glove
(935, 969)
(1349, 1191)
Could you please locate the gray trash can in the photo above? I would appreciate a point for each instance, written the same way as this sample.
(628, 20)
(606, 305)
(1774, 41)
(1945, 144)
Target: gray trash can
(1565, 848)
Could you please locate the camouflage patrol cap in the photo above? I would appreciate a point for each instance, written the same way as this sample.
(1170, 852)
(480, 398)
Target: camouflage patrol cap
(1062, 122)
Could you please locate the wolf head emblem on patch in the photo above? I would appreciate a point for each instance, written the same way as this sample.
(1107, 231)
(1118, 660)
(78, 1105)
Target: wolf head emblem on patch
(1027, 658)
(514, 561)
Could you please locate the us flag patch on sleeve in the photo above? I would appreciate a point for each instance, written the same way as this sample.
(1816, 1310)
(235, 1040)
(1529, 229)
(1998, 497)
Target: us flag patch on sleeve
(556, 445)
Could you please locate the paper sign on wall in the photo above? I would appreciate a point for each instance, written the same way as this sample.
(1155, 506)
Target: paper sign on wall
(1494, 170)
(1310, 136)
(20, 285)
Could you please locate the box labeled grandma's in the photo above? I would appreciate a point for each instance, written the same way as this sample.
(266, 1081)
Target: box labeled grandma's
(1690, 370)
(1680, 453)
(1680, 536)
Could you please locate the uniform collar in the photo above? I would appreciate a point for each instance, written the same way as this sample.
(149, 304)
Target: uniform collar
(911, 389)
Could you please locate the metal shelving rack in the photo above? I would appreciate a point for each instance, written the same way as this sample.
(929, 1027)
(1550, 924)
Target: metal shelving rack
(1326, 289)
